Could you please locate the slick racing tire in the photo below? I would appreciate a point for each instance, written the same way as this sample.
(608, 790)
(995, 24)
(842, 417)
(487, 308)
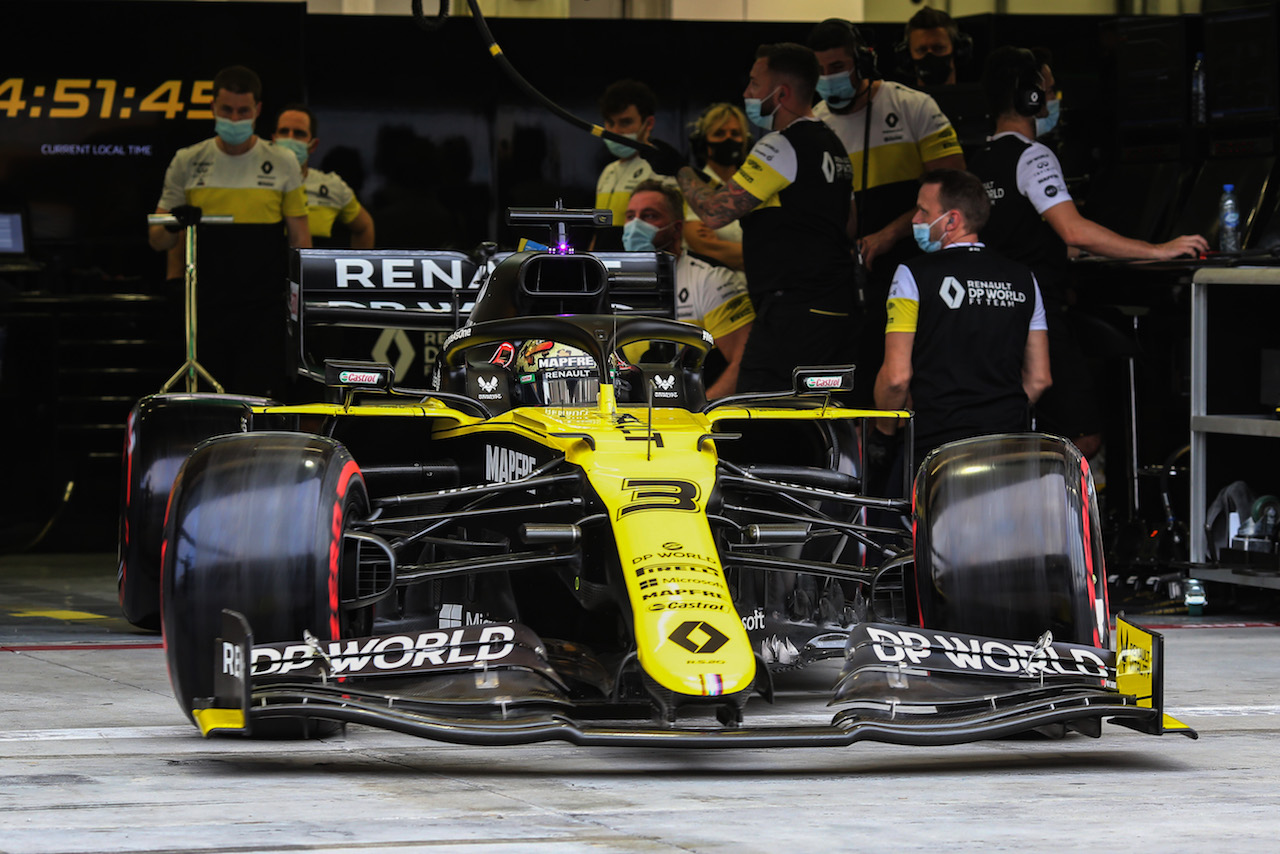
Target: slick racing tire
(161, 431)
(1007, 540)
(256, 526)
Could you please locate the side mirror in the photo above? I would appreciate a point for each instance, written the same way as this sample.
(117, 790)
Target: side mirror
(822, 380)
(345, 378)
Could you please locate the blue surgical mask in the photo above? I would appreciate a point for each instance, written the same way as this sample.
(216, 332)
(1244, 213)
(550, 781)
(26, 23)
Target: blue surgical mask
(637, 235)
(233, 133)
(298, 147)
(620, 151)
(752, 108)
(836, 89)
(920, 231)
(1050, 121)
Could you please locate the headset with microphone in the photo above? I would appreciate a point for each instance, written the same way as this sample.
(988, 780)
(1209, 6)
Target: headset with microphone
(1028, 93)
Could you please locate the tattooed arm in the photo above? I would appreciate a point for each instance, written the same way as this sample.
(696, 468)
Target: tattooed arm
(717, 206)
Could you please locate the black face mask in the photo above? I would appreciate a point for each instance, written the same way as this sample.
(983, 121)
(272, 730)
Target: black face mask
(933, 69)
(726, 152)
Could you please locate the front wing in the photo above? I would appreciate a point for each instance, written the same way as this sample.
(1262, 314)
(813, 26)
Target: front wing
(898, 685)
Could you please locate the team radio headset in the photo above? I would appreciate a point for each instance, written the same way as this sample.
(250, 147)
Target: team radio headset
(1028, 94)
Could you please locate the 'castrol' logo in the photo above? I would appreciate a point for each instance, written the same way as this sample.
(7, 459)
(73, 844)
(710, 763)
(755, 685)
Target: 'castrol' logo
(822, 382)
(359, 377)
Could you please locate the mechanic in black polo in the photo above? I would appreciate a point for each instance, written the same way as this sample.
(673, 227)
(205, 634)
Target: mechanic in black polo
(793, 196)
(1034, 220)
(965, 344)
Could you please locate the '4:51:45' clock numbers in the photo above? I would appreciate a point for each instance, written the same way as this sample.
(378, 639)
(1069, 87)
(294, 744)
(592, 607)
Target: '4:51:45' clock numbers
(79, 97)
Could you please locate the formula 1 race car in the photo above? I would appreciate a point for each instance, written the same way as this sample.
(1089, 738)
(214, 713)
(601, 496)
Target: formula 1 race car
(561, 538)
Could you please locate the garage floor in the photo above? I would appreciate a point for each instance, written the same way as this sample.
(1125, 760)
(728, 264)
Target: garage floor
(95, 756)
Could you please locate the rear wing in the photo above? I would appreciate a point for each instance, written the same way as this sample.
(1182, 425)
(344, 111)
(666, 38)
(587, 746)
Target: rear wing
(399, 306)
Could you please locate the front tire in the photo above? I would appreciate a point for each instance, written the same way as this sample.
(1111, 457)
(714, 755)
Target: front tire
(1008, 542)
(161, 431)
(256, 525)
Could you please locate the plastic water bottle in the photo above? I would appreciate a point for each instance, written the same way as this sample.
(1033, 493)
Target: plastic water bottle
(1199, 106)
(1228, 221)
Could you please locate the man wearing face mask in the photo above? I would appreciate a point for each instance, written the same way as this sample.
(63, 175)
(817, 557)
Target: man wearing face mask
(792, 196)
(231, 173)
(707, 295)
(242, 267)
(965, 342)
(628, 108)
(1034, 220)
(329, 198)
(930, 48)
(893, 134)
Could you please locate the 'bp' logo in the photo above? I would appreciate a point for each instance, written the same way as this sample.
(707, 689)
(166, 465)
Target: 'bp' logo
(952, 292)
(707, 639)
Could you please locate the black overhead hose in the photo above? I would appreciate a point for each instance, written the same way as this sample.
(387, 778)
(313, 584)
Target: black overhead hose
(431, 25)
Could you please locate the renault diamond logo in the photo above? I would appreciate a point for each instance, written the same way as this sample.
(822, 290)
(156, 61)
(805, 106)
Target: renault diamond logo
(828, 167)
(707, 639)
(952, 292)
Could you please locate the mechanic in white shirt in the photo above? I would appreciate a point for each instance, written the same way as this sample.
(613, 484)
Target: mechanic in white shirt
(707, 294)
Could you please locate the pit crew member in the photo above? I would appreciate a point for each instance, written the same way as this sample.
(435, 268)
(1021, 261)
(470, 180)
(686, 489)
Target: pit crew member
(242, 270)
(965, 342)
(1034, 220)
(792, 195)
(329, 198)
(708, 295)
(721, 139)
(628, 108)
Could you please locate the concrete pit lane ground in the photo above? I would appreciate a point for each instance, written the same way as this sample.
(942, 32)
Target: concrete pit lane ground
(95, 756)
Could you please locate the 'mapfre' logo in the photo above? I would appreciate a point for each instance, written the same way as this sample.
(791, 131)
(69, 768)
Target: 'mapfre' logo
(699, 637)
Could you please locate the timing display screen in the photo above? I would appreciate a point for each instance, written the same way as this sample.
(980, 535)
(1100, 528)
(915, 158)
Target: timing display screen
(11, 234)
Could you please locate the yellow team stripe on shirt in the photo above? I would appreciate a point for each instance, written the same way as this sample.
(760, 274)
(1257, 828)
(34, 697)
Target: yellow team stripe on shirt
(904, 314)
(943, 143)
(889, 164)
(247, 205)
(729, 315)
(616, 202)
(761, 180)
(295, 202)
(320, 221)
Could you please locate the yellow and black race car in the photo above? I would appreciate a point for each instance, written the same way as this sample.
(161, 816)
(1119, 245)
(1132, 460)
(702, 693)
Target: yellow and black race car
(558, 537)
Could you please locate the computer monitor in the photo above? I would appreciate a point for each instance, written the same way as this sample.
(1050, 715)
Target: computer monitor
(1250, 175)
(13, 234)
(1240, 64)
(1152, 83)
